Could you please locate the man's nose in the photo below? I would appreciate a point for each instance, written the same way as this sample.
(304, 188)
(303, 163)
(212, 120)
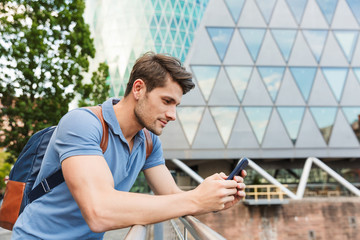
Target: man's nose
(171, 114)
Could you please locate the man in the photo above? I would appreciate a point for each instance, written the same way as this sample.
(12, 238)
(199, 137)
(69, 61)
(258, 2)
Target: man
(94, 197)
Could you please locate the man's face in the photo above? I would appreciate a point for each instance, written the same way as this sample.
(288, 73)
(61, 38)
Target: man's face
(156, 108)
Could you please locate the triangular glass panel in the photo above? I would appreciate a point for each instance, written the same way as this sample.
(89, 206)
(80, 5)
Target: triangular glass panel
(220, 36)
(357, 73)
(251, 16)
(223, 93)
(289, 93)
(328, 8)
(342, 134)
(304, 77)
(224, 119)
(344, 17)
(297, 8)
(336, 79)
(253, 38)
(309, 135)
(325, 118)
(276, 135)
(190, 118)
(353, 116)
(272, 77)
(239, 77)
(259, 119)
(112, 93)
(122, 91)
(316, 40)
(235, 7)
(205, 76)
(207, 136)
(292, 117)
(266, 7)
(285, 40)
(355, 8)
(347, 40)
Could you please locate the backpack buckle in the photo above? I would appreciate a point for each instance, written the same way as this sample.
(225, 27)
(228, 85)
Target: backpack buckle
(45, 185)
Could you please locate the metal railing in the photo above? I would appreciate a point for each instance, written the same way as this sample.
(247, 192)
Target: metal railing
(197, 229)
(192, 229)
(137, 232)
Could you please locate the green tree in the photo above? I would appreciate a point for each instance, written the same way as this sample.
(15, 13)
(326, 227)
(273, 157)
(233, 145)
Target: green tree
(98, 90)
(45, 46)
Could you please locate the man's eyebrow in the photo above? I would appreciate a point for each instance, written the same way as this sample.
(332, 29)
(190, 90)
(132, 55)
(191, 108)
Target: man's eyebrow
(171, 99)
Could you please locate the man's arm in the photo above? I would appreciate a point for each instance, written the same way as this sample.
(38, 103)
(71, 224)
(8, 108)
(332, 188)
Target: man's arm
(162, 183)
(104, 208)
(160, 180)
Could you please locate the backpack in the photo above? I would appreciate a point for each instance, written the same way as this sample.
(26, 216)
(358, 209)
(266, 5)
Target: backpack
(19, 190)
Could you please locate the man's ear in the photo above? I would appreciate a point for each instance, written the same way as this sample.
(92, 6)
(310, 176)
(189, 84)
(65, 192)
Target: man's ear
(138, 88)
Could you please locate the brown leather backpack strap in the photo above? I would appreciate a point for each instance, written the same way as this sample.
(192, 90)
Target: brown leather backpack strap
(149, 142)
(97, 110)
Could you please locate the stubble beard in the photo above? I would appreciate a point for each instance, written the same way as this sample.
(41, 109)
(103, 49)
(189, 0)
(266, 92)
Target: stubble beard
(140, 115)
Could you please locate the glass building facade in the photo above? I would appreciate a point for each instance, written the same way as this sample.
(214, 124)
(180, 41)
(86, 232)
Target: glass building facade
(274, 78)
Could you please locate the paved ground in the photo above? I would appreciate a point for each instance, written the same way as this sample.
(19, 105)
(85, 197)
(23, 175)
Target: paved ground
(5, 234)
(111, 235)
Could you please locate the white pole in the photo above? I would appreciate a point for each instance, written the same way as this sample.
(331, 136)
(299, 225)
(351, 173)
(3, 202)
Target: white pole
(188, 170)
(304, 178)
(337, 177)
(270, 178)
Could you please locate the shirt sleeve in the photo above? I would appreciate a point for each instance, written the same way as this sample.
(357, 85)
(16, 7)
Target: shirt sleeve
(79, 133)
(156, 157)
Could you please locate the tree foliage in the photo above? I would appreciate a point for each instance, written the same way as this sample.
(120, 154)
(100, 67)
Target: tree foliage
(45, 46)
(97, 91)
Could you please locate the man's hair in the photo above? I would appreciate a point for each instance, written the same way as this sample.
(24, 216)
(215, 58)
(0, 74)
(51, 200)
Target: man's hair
(153, 69)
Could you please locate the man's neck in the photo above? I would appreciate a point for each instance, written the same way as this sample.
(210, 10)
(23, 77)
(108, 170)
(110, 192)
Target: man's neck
(124, 112)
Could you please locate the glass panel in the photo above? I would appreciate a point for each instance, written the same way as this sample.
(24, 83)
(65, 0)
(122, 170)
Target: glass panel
(325, 118)
(259, 119)
(220, 38)
(355, 8)
(316, 40)
(347, 41)
(224, 119)
(239, 77)
(253, 38)
(297, 8)
(328, 8)
(336, 78)
(205, 76)
(266, 7)
(190, 118)
(357, 73)
(272, 77)
(285, 40)
(235, 7)
(304, 77)
(353, 116)
(292, 117)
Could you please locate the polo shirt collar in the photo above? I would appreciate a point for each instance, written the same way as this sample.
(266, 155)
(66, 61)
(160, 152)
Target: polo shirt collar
(111, 120)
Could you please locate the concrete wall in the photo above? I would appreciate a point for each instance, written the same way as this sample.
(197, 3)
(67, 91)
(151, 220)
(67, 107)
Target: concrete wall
(312, 218)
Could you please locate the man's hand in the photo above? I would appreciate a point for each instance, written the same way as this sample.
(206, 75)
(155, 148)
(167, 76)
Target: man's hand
(240, 189)
(215, 193)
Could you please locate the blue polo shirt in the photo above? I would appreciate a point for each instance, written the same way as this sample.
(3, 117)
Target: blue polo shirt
(56, 215)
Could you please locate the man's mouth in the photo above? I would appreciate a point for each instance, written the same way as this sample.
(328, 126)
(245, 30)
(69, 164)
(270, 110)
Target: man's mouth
(163, 123)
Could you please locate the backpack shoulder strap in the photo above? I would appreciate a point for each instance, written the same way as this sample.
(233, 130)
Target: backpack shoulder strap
(149, 142)
(97, 110)
(57, 177)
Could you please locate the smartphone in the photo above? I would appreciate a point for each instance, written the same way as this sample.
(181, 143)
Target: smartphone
(242, 164)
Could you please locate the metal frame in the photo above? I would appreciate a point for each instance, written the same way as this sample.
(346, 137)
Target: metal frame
(303, 180)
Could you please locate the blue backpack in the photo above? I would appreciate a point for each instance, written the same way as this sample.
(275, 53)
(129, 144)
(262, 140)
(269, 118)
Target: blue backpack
(20, 190)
